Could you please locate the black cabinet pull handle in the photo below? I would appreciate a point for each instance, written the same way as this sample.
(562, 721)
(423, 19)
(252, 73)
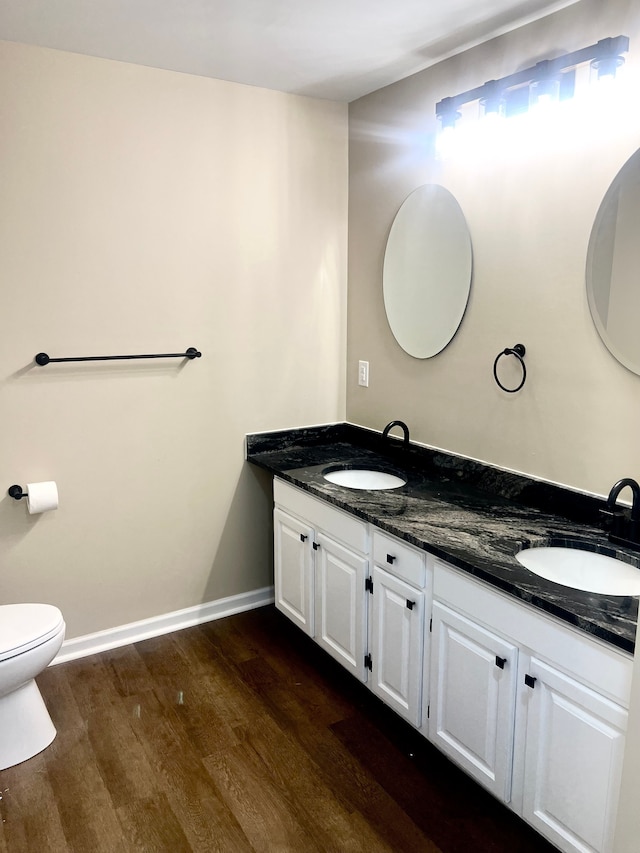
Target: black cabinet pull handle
(500, 662)
(390, 559)
(303, 538)
(530, 681)
(315, 546)
(410, 604)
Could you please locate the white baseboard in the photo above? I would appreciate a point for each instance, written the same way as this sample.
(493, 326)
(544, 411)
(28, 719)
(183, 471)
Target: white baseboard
(155, 626)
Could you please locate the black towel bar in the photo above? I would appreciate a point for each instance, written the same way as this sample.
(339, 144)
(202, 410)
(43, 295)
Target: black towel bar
(42, 358)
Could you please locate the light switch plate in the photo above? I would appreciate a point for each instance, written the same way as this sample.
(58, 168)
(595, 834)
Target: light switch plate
(363, 373)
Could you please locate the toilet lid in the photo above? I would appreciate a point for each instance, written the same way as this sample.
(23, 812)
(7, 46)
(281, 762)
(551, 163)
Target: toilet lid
(25, 626)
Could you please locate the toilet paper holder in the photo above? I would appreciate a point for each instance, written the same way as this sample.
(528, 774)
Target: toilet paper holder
(41, 497)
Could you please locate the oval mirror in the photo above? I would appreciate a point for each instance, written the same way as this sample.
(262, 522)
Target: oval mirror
(613, 261)
(427, 271)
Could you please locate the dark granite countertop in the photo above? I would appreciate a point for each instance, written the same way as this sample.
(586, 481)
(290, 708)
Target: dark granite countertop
(473, 516)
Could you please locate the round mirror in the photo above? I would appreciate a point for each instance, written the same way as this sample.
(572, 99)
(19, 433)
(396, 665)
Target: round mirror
(613, 261)
(427, 271)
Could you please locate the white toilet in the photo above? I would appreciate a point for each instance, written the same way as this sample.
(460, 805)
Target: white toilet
(30, 638)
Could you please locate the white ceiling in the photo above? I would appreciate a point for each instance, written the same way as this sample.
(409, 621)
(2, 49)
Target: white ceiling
(336, 49)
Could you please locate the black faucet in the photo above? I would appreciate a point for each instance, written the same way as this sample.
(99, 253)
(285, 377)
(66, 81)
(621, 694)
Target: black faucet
(403, 427)
(623, 528)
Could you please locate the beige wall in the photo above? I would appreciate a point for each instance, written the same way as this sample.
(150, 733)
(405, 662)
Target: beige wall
(530, 210)
(149, 211)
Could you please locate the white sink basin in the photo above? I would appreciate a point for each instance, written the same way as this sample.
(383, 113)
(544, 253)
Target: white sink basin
(584, 570)
(363, 478)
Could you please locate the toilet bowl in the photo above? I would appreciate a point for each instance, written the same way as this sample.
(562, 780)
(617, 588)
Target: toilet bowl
(30, 638)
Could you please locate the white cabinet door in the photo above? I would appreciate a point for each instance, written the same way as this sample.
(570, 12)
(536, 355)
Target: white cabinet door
(472, 698)
(573, 761)
(397, 641)
(340, 604)
(293, 569)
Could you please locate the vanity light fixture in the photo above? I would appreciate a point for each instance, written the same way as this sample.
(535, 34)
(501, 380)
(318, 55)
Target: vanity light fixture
(546, 86)
(607, 66)
(548, 79)
(448, 115)
(492, 101)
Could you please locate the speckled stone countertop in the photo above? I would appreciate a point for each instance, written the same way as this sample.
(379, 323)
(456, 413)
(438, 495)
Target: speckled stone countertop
(471, 515)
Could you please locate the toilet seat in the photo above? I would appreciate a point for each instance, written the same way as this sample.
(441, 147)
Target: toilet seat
(25, 626)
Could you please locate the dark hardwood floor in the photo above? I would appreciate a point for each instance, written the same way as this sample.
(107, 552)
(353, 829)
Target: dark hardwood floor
(238, 735)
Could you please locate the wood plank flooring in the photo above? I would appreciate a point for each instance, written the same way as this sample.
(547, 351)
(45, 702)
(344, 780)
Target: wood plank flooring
(239, 735)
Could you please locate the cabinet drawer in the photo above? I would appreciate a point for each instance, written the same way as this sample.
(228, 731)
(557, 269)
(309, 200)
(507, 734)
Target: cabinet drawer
(605, 669)
(401, 560)
(345, 528)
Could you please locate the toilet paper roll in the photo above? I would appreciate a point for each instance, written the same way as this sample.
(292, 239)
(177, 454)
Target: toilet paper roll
(41, 497)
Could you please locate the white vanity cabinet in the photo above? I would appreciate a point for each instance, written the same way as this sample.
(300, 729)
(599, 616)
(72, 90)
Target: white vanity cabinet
(573, 752)
(293, 569)
(472, 702)
(544, 730)
(533, 709)
(321, 562)
(340, 603)
(366, 620)
(396, 625)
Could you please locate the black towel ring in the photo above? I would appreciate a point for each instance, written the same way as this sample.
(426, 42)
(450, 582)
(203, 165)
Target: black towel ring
(518, 350)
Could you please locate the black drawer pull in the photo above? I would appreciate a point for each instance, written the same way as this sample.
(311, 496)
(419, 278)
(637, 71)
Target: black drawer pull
(390, 559)
(316, 545)
(410, 604)
(303, 538)
(500, 662)
(530, 681)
